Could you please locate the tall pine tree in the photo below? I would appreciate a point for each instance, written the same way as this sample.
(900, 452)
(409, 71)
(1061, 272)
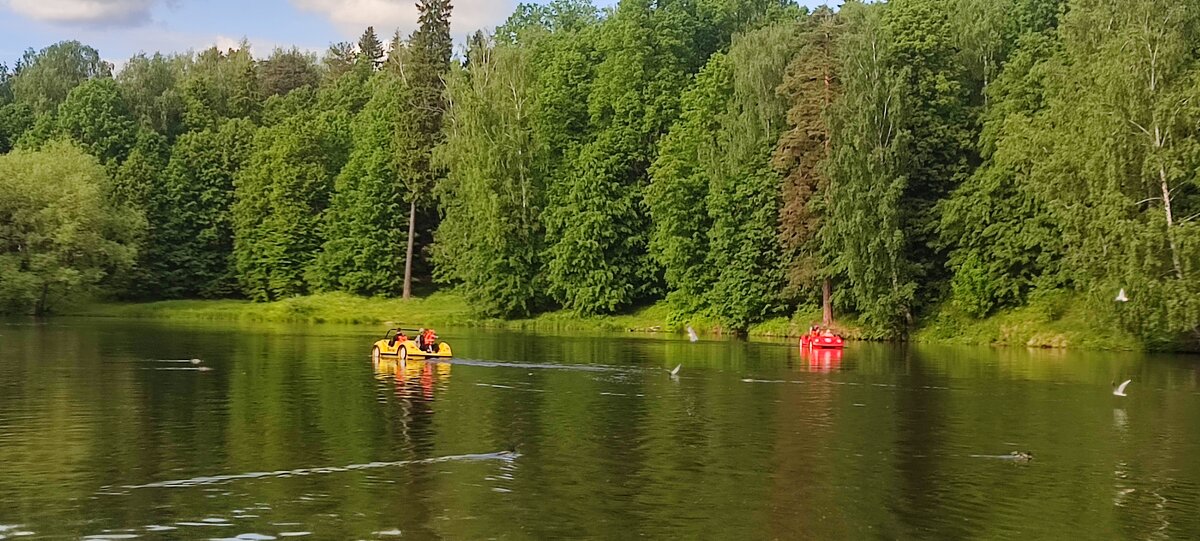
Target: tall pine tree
(429, 52)
(811, 85)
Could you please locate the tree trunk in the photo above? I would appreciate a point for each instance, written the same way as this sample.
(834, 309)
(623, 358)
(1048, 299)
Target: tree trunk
(1166, 195)
(827, 303)
(408, 257)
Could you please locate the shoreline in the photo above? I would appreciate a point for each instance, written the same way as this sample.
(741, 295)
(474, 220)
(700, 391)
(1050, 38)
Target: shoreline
(1068, 327)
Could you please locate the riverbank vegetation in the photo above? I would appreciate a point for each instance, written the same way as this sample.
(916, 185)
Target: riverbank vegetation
(922, 168)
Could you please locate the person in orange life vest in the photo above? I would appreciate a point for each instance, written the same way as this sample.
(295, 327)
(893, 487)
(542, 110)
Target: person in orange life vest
(429, 338)
(398, 337)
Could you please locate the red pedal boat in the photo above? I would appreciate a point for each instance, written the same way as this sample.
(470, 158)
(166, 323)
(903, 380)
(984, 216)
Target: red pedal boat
(822, 342)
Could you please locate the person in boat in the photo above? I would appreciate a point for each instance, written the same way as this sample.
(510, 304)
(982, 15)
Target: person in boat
(827, 332)
(429, 338)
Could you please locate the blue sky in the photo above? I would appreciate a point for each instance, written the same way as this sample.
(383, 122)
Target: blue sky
(121, 28)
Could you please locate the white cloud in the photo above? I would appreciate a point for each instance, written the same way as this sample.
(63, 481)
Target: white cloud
(351, 17)
(260, 48)
(86, 12)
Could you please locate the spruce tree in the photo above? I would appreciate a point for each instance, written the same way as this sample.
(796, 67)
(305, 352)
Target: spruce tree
(429, 52)
(191, 254)
(370, 49)
(811, 85)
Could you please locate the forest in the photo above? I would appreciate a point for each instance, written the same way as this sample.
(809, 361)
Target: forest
(737, 160)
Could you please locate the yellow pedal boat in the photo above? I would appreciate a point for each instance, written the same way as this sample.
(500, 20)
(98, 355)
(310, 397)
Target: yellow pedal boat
(396, 343)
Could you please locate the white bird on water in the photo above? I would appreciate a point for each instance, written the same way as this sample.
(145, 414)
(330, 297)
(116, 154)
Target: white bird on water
(675, 371)
(1121, 296)
(692, 334)
(1120, 390)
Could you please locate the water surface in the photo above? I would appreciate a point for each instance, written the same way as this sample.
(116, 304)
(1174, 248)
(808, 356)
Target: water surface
(291, 432)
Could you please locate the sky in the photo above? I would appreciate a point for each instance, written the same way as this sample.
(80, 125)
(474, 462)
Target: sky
(121, 28)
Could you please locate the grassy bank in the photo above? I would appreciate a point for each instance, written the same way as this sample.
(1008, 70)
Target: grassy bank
(1059, 322)
(437, 309)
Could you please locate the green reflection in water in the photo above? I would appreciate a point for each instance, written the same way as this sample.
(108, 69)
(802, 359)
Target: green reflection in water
(753, 440)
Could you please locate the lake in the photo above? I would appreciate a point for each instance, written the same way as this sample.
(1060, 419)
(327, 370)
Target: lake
(292, 431)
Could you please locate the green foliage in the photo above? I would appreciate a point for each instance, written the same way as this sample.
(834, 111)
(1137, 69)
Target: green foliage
(941, 126)
(811, 85)
(1122, 108)
(866, 228)
(149, 85)
(189, 252)
(677, 196)
(220, 85)
(743, 195)
(60, 237)
(1007, 240)
(281, 197)
(95, 116)
(365, 226)
(597, 225)
(490, 240)
(286, 70)
(370, 49)
(15, 120)
(44, 78)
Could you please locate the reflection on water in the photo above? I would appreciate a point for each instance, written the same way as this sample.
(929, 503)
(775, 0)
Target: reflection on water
(293, 432)
(822, 360)
(412, 379)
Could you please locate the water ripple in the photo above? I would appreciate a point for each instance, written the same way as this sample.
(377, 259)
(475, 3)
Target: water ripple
(214, 479)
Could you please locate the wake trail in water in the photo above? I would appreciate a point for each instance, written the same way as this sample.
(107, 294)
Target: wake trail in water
(849, 383)
(506, 456)
(532, 366)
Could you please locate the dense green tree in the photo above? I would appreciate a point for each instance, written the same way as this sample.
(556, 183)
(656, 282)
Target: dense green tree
(139, 183)
(220, 85)
(811, 85)
(190, 251)
(1122, 169)
(286, 70)
(96, 117)
(338, 59)
(554, 17)
(677, 195)
(150, 86)
(490, 239)
(941, 124)
(597, 223)
(744, 196)
(370, 49)
(60, 236)
(1007, 240)
(429, 51)
(6, 95)
(282, 193)
(44, 78)
(366, 222)
(15, 120)
(866, 229)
